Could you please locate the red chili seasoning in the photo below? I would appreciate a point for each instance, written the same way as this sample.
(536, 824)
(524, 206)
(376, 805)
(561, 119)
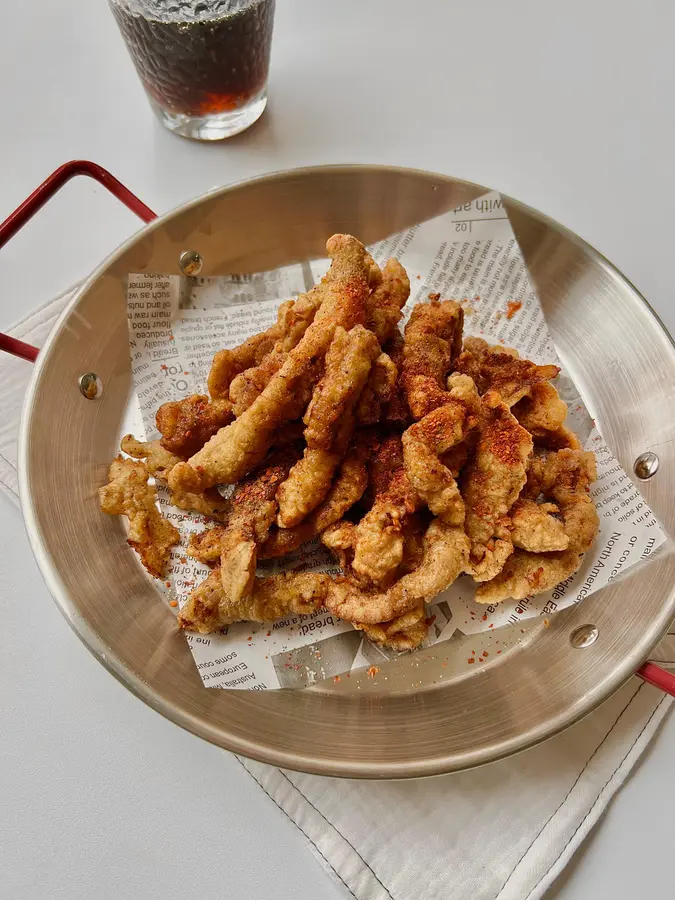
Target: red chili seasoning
(512, 308)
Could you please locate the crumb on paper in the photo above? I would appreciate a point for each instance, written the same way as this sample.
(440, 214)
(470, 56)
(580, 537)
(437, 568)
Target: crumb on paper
(512, 307)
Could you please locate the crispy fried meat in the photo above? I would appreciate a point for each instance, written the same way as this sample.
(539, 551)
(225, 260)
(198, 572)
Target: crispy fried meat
(209, 609)
(330, 423)
(433, 338)
(434, 435)
(500, 369)
(186, 425)
(235, 450)
(445, 555)
(565, 477)
(406, 632)
(129, 494)
(491, 484)
(385, 304)
(346, 490)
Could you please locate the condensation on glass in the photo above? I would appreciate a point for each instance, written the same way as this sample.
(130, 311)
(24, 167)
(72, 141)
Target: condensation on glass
(203, 63)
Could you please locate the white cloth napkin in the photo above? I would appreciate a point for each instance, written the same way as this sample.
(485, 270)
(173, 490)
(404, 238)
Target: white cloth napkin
(502, 832)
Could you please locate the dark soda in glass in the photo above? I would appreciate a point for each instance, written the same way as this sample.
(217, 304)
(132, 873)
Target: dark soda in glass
(199, 59)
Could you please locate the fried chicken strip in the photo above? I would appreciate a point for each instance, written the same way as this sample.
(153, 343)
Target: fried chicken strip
(330, 423)
(205, 545)
(236, 449)
(129, 494)
(501, 369)
(379, 537)
(346, 490)
(428, 439)
(565, 477)
(534, 528)
(186, 425)
(406, 632)
(378, 391)
(294, 319)
(397, 412)
(433, 339)
(562, 438)
(254, 509)
(542, 410)
(158, 460)
(159, 463)
(492, 484)
(385, 304)
(208, 609)
(249, 384)
(446, 553)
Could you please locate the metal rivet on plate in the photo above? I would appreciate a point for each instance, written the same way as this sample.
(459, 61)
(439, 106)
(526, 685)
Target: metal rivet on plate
(646, 465)
(584, 636)
(91, 385)
(190, 262)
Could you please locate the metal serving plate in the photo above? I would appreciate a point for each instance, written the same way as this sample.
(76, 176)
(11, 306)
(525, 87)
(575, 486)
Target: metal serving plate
(414, 718)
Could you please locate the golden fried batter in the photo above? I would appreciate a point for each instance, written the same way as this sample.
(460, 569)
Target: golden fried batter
(346, 490)
(565, 477)
(294, 319)
(501, 369)
(406, 632)
(491, 485)
(374, 272)
(439, 431)
(535, 528)
(378, 391)
(158, 461)
(235, 450)
(340, 538)
(254, 509)
(348, 363)
(446, 553)
(541, 411)
(209, 503)
(129, 494)
(208, 608)
(397, 412)
(379, 537)
(330, 421)
(428, 410)
(205, 545)
(433, 338)
(186, 425)
(250, 383)
(560, 439)
(385, 303)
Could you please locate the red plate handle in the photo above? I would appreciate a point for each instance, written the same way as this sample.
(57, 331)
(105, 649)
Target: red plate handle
(36, 201)
(657, 676)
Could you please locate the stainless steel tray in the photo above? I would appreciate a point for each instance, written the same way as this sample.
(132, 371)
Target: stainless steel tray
(407, 721)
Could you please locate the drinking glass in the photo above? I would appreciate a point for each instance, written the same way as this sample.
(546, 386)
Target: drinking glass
(203, 63)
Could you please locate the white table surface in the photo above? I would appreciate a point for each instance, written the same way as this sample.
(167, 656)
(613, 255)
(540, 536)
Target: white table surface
(567, 106)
